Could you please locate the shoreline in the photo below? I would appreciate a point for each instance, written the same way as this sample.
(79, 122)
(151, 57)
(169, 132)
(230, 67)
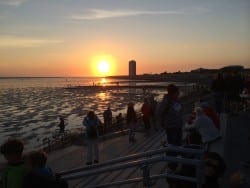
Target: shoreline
(75, 114)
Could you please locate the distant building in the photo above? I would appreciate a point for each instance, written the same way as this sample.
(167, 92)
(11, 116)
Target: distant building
(232, 68)
(132, 69)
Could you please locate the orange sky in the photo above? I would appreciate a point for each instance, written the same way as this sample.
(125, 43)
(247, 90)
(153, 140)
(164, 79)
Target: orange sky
(161, 35)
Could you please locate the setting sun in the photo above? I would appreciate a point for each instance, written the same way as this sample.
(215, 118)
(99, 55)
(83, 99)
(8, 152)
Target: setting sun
(103, 67)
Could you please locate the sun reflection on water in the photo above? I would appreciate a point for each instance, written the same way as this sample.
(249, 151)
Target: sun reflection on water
(102, 96)
(103, 81)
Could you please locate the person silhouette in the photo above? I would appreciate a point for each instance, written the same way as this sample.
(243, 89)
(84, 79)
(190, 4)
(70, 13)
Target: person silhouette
(107, 117)
(61, 125)
(131, 121)
(91, 123)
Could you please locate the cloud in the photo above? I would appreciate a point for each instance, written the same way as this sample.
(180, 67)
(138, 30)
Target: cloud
(12, 2)
(94, 14)
(20, 42)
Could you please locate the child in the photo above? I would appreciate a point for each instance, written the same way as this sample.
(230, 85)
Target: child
(37, 164)
(39, 175)
(13, 175)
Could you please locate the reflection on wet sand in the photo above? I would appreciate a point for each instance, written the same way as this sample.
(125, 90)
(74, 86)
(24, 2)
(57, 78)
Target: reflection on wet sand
(31, 113)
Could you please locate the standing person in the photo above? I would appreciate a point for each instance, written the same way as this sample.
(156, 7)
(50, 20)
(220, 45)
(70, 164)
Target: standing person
(119, 121)
(153, 105)
(91, 122)
(15, 171)
(228, 92)
(146, 115)
(131, 121)
(171, 115)
(237, 85)
(218, 87)
(107, 117)
(171, 118)
(61, 125)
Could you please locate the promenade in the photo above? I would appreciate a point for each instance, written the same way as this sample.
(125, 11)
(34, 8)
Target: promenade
(233, 147)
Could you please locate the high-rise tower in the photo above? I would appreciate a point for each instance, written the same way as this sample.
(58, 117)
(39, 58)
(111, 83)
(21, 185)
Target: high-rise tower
(132, 68)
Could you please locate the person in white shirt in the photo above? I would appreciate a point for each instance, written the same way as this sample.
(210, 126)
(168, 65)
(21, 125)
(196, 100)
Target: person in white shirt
(205, 126)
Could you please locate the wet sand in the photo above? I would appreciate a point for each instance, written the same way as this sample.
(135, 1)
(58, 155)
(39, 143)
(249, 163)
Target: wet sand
(32, 113)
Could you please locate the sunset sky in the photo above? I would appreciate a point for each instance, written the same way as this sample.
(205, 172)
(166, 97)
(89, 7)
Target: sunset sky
(71, 37)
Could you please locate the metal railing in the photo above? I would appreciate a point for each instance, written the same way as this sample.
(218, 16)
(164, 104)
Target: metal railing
(143, 160)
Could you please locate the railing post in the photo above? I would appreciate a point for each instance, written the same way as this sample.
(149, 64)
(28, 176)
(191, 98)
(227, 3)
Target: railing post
(200, 173)
(146, 176)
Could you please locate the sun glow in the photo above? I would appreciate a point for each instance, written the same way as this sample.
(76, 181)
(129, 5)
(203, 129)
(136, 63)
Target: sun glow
(103, 65)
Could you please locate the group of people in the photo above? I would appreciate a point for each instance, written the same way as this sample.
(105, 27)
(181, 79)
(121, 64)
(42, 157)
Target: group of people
(214, 167)
(27, 171)
(203, 128)
(169, 112)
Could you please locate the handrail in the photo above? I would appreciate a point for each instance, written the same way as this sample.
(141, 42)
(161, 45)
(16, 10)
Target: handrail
(129, 165)
(140, 179)
(136, 156)
(144, 159)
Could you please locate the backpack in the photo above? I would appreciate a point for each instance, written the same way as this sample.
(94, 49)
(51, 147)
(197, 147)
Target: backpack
(91, 132)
